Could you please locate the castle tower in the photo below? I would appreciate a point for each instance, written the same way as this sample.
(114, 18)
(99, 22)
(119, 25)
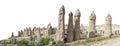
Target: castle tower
(70, 28)
(108, 26)
(61, 24)
(92, 22)
(77, 25)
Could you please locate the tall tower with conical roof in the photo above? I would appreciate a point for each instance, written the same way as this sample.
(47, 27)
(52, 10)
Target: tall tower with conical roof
(61, 24)
(92, 23)
(77, 25)
(108, 26)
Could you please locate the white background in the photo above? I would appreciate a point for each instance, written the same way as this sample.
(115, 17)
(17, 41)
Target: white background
(15, 15)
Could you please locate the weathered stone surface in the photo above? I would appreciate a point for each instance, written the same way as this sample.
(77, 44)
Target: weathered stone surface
(36, 31)
(83, 29)
(77, 25)
(54, 29)
(92, 16)
(12, 34)
(25, 32)
(92, 24)
(19, 34)
(49, 30)
(29, 31)
(71, 31)
(70, 28)
(61, 24)
(108, 26)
